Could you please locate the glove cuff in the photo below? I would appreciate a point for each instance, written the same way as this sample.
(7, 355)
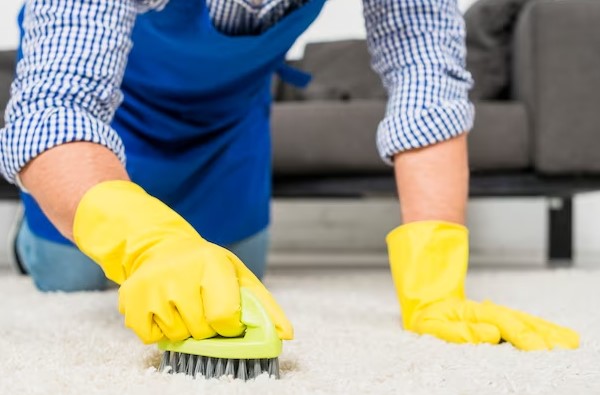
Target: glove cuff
(428, 261)
(116, 221)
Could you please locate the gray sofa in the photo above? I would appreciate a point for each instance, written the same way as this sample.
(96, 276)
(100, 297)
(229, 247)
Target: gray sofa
(538, 137)
(541, 138)
(343, 105)
(550, 124)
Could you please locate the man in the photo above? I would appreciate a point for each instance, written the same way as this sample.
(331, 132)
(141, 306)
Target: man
(194, 128)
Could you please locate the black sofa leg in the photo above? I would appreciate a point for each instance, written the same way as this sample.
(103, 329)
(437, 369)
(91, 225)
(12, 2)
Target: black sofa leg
(560, 236)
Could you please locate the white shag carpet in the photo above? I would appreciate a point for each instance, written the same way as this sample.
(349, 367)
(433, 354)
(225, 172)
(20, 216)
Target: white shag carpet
(348, 341)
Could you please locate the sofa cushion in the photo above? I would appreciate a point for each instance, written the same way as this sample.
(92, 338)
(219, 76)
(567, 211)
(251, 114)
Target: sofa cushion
(490, 25)
(500, 137)
(326, 137)
(341, 70)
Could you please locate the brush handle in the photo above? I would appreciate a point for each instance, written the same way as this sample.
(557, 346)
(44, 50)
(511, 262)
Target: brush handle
(260, 340)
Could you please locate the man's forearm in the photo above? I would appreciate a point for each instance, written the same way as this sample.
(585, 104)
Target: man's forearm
(66, 91)
(433, 182)
(59, 177)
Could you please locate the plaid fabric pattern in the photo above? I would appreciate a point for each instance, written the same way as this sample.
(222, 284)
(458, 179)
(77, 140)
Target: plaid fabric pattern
(418, 48)
(75, 53)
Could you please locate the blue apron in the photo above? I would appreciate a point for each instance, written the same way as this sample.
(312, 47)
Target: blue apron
(195, 118)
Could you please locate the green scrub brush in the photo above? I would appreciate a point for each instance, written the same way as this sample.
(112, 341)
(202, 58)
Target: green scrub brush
(245, 357)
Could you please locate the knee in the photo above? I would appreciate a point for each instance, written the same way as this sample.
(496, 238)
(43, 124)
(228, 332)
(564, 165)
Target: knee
(253, 252)
(75, 280)
(57, 267)
(257, 268)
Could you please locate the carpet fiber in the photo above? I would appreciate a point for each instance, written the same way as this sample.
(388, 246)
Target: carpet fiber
(348, 341)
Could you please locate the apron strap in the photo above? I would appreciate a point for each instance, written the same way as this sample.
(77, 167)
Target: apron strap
(293, 76)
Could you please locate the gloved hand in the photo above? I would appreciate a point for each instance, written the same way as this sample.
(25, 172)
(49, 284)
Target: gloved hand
(429, 264)
(174, 284)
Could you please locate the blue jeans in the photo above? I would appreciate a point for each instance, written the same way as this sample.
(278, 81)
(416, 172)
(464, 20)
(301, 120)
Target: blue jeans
(59, 267)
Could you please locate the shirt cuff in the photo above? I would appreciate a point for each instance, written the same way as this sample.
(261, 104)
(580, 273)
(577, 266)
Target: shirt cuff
(422, 111)
(27, 137)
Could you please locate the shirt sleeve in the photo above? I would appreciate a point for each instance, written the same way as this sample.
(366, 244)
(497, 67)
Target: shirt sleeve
(67, 84)
(418, 48)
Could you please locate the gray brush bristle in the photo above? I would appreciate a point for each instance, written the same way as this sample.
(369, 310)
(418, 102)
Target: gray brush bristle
(207, 367)
(191, 365)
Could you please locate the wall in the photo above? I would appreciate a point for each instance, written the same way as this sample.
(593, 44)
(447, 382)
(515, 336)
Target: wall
(339, 19)
(8, 25)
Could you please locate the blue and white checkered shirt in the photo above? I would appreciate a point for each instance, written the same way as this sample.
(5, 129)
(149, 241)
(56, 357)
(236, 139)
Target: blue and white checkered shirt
(75, 52)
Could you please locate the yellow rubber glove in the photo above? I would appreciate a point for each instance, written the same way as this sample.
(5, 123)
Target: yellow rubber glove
(429, 265)
(174, 284)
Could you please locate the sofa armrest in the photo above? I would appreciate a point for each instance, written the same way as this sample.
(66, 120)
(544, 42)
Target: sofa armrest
(556, 70)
